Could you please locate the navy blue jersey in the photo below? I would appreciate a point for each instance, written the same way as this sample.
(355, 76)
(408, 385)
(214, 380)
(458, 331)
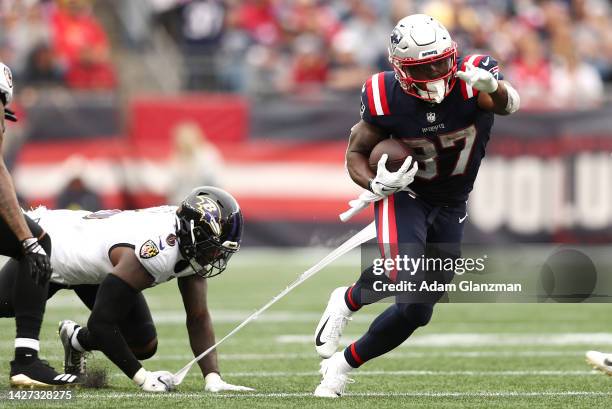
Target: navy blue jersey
(449, 138)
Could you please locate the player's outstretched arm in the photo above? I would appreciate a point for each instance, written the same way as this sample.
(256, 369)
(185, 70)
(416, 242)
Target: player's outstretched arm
(201, 333)
(364, 137)
(503, 101)
(495, 95)
(9, 207)
(199, 324)
(115, 298)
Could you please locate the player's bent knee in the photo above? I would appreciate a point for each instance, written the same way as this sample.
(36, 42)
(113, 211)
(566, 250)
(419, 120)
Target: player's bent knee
(418, 315)
(146, 351)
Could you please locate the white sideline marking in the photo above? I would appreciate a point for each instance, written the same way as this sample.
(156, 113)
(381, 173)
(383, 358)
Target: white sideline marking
(474, 340)
(281, 374)
(486, 394)
(394, 355)
(263, 374)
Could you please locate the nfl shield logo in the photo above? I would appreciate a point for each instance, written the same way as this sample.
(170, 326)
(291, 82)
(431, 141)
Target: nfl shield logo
(431, 117)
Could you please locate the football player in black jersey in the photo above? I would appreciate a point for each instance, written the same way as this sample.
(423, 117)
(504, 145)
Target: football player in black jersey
(23, 240)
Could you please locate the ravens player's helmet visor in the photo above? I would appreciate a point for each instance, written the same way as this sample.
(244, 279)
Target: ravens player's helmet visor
(207, 257)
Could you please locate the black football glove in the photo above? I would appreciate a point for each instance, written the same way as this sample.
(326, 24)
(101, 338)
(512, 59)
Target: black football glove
(38, 260)
(9, 115)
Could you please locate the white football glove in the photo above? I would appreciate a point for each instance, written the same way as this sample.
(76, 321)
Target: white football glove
(158, 381)
(386, 183)
(6, 83)
(478, 78)
(214, 383)
(365, 197)
(357, 205)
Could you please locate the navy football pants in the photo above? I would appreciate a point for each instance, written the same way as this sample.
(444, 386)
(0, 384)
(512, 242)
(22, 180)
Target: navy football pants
(412, 227)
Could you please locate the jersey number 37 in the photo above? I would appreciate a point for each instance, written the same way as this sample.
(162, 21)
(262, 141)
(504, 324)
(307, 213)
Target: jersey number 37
(427, 155)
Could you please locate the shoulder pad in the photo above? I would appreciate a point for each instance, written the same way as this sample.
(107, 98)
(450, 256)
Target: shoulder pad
(374, 92)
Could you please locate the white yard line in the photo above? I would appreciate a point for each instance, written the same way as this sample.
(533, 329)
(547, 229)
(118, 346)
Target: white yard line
(472, 340)
(485, 394)
(394, 355)
(479, 340)
(287, 374)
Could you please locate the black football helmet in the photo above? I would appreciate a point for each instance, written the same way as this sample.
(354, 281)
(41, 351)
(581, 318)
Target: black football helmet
(209, 229)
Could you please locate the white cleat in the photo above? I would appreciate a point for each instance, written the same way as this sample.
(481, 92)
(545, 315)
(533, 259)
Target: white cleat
(332, 323)
(335, 377)
(600, 361)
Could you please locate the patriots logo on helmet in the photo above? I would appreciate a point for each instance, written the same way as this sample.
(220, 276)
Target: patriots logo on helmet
(8, 76)
(210, 213)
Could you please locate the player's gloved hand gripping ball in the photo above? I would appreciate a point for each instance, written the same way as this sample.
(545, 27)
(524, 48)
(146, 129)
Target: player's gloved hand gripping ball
(386, 183)
(478, 78)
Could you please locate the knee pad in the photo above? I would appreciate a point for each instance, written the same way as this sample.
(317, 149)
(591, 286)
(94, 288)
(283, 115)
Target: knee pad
(145, 352)
(418, 315)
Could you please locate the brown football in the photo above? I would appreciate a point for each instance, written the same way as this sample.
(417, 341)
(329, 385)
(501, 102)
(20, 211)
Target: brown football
(397, 151)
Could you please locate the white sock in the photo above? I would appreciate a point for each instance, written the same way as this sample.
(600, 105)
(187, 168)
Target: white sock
(27, 343)
(75, 342)
(343, 366)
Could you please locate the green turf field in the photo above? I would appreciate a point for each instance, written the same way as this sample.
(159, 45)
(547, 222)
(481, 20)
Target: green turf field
(470, 356)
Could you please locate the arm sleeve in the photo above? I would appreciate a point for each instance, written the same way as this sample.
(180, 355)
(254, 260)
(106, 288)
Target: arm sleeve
(114, 300)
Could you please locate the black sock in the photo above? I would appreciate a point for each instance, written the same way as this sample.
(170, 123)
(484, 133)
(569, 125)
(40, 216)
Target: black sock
(25, 355)
(352, 298)
(29, 300)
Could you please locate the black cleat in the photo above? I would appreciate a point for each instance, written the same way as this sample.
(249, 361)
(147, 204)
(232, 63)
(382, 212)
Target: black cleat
(75, 362)
(39, 374)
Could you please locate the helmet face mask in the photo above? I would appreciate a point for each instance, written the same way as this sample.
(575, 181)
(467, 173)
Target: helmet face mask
(422, 78)
(209, 230)
(423, 57)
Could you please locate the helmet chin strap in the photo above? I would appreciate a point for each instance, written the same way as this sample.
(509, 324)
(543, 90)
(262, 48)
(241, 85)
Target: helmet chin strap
(436, 90)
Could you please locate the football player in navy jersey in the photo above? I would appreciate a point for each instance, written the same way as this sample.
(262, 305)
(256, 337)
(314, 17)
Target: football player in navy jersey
(442, 106)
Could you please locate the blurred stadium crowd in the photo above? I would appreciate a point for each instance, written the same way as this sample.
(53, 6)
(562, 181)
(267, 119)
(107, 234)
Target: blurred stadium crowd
(557, 53)
(130, 103)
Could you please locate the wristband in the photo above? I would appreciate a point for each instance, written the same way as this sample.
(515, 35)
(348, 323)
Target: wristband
(28, 244)
(140, 376)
